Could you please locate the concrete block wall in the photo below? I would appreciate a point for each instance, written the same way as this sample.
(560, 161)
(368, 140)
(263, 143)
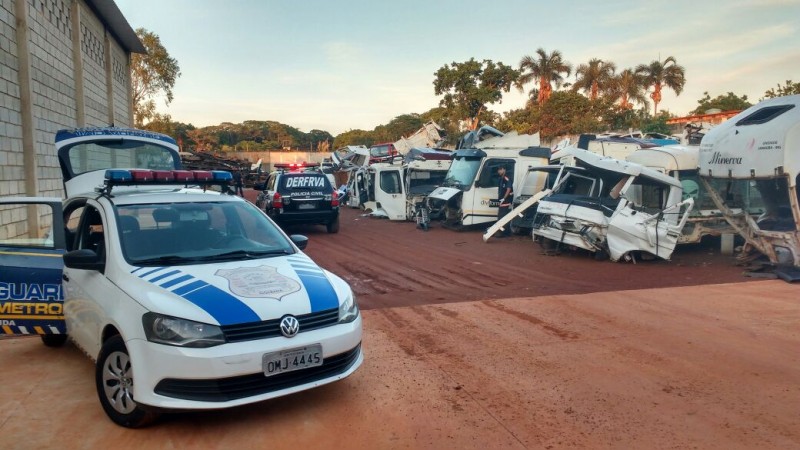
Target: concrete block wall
(52, 90)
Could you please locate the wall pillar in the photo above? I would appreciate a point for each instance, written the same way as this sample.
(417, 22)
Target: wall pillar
(109, 78)
(26, 103)
(77, 64)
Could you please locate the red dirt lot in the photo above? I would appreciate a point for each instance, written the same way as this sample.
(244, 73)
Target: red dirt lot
(485, 345)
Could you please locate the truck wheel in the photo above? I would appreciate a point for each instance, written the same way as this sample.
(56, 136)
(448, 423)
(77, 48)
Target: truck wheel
(333, 227)
(53, 340)
(114, 379)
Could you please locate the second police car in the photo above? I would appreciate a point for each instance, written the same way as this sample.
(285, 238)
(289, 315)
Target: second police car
(299, 193)
(188, 299)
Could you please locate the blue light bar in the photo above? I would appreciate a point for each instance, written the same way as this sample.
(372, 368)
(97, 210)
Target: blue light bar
(118, 175)
(221, 175)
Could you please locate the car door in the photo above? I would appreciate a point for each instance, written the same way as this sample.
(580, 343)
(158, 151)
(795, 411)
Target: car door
(32, 242)
(389, 192)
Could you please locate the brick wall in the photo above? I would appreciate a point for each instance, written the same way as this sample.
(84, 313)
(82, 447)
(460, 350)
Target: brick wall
(119, 80)
(11, 169)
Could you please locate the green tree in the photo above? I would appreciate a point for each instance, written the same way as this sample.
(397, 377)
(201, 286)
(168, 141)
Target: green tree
(657, 124)
(727, 102)
(628, 87)
(470, 86)
(152, 74)
(354, 137)
(595, 77)
(660, 74)
(781, 91)
(163, 123)
(546, 70)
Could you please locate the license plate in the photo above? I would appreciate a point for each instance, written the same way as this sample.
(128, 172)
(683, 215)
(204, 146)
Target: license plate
(305, 206)
(290, 360)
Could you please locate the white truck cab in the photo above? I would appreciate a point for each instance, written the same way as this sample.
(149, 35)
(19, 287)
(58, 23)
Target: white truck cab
(759, 146)
(468, 195)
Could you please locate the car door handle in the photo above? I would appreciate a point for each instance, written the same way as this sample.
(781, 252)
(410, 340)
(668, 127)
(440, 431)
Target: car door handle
(64, 277)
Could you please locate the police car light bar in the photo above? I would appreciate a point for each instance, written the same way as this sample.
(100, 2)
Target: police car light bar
(140, 177)
(301, 165)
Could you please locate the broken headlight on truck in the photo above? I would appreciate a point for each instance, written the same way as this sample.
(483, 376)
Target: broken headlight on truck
(348, 310)
(180, 332)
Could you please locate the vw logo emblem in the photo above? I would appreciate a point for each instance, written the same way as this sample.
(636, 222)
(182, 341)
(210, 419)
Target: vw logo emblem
(289, 326)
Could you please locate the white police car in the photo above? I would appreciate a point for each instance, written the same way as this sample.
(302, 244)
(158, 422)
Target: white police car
(188, 299)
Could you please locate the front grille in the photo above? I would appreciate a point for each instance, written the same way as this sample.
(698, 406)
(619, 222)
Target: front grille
(272, 328)
(225, 389)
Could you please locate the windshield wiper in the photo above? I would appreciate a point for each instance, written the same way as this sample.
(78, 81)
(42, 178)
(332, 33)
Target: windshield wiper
(247, 254)
(169, 259)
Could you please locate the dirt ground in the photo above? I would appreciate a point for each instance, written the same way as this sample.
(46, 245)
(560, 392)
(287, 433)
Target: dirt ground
(395, 264)
(475, 345)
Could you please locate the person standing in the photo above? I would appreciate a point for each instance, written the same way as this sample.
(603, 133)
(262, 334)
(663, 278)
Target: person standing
(505, 197)
(238, 183)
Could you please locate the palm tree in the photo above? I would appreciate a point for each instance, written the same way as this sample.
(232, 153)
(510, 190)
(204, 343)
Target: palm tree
(659, 74)
(628, 87)
(594, 77)
(546, 69)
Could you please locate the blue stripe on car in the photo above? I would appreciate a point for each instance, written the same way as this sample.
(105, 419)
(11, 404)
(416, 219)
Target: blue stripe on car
(319, 289)
(219, 304)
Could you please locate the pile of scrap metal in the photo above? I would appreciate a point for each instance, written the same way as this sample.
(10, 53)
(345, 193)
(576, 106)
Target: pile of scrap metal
(759, 147)
(207, 161)
(468, 195)
(431, 135)
(616, 209)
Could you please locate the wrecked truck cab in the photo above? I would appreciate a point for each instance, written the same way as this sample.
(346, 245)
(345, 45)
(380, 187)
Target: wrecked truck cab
(759, 146)
(705, 219)
(613, 207)
(468, 195)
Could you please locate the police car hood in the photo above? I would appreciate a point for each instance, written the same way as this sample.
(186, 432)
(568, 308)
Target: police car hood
(237, 292)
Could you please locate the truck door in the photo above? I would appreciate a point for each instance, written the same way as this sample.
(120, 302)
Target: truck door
(653, 224)
(389, 195)
(484, 195)
(32, 242)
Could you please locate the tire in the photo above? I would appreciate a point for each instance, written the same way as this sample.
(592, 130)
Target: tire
(333, 227)
(114, 380)
(53, 340)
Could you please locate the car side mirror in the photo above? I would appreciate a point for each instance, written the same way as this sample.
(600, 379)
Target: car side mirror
(258, 187)
(84, 259)
(299, 240)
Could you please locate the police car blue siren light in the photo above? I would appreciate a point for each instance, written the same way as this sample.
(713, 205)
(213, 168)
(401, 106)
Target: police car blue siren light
(118, 175)
(221, 175)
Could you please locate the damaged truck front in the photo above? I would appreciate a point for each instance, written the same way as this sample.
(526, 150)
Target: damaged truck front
(613, 208)
(468, 195)
(759, 147)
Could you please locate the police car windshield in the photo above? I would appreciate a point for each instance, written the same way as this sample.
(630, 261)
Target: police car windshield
(462, 173)
(197, 233)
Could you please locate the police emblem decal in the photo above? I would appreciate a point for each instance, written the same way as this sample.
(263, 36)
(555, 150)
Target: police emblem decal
(262, 281)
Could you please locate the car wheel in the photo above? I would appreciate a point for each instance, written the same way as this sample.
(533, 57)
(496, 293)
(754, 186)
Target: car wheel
(53, 340)
(333, 227)
(115, 386)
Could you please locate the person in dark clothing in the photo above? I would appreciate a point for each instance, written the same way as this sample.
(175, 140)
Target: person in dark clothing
(505, 195)
(238, 184)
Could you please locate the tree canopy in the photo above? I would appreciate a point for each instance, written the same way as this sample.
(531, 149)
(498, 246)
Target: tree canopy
(660, 74)
(727, 102)
(546, 70)
(469, 86)
(152, 74)
(780, 91)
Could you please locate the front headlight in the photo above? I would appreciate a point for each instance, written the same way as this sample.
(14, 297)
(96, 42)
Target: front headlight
(180, 332)
(348, 310)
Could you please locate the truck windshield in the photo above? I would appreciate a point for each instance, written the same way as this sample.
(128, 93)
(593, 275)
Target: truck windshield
(197, 233)
(462, 173)
(425, 181)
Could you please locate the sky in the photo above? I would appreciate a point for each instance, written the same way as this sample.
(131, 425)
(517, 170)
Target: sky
(351, 64)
